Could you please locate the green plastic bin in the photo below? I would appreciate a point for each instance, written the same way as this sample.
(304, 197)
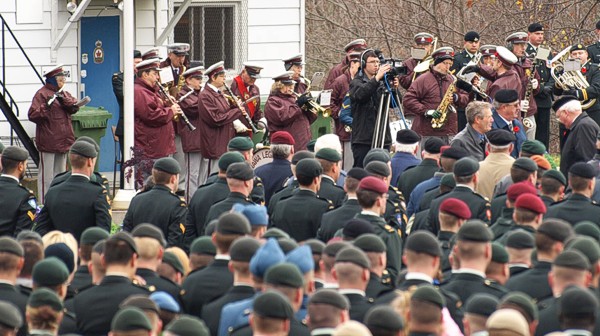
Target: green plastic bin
(91, 121)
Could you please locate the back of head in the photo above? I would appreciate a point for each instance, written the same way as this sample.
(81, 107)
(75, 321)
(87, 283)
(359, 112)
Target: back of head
(351, 328)
(507, 322)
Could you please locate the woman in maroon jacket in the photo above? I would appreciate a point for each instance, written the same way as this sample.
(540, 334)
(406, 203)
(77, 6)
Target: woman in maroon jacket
(284, 113)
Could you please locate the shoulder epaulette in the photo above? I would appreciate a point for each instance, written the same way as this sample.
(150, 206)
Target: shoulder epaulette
(389, 228)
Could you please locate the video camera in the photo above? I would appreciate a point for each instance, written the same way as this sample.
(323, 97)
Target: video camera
(398, 67)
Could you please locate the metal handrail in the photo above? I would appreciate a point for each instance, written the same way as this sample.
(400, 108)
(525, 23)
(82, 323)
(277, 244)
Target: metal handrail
(5, 27)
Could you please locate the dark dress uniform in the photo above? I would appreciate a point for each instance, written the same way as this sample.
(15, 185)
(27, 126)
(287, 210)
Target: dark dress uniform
(96, 306)
(395, 209)
(533, 282)
(206, 285)
(549, 322)
(331, 192)
(258, 191)
(594, 52)
(81, 279)
(274, 175)
(376, 288)
(211, 313)
(502, 239)
(499, 209)
(461, 60)
(161, 207)
(17, 207)
(74, 206)
(574, 209)
(543, 99)
(296, 328)
(225, 205)
(479, 206)
(13, 295)
(466, 284)
(154, 282)
(446, 240)
(334, 220)
(359, 305)
(548, 201)
(200, 204)
(300, 214)
(412, 176)
(95, 177)
(282, 194)
(504, 224)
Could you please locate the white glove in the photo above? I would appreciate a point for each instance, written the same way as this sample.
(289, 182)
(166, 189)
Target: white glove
(524, 106)
(262, 123)
(239, 126)
(535, 84)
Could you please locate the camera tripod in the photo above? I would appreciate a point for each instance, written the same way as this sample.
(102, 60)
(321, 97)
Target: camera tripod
(383, 114)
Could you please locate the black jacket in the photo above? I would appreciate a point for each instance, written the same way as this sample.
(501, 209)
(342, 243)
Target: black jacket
(17, 207)
(364, 97)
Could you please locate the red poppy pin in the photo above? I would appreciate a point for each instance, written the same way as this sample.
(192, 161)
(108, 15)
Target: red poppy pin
(516, 129)
(583, 70)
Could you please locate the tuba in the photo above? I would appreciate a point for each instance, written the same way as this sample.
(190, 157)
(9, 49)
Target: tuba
(445, 106)
(569, 79)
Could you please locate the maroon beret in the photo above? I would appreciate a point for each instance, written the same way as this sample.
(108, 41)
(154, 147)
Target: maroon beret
(531, 202)
(373, 184)
(517, 189)
(282, 138)
(455, 207)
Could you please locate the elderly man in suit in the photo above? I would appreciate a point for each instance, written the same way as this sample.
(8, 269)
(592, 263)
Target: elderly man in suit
(472, 138)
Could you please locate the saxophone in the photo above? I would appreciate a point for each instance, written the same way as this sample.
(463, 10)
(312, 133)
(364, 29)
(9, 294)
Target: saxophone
(181, 81)
(445, 105)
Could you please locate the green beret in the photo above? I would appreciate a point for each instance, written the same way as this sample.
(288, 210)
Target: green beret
(310, 146)
(572, 259)
(92, 235)
(587, 228)
(556, 229)
(474, 230)
(499, 253)
(240, 171)
(29, 235)
(147, 230)
(423, 242)
(233, 223)
(429, 294)
(481, 304)
(9, 245)
(140, 301)
(316, 246)
(275, 233)
(534, 147)
(523, 301)
(171, 259)
(287, 244)
(167, 165)
(520, 239)
(329, 154)
(187, 325)
(15, 153)
(203, 245)
(124, 237)
(557, 175)
(10, 315)
(284, 274)
(369, 242)
(240, 144)
(228, 158)
(130, 319)
(448, 180)
(45, 297)
(586, 245)
(88, 140)
(329, 297)
(353, 255)
(310, 168)
(334, 247)
(465, 167)
(84, 149)
(577, 302)
(302, 155)
(50, 272)
(526, 164)
(242, 249)
(99, 246)
(378, 168)
(273, 305)
(384, 317)
(376, 154)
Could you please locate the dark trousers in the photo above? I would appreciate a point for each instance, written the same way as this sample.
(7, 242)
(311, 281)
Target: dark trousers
(462, 119)
(359, 151)
(542, 119)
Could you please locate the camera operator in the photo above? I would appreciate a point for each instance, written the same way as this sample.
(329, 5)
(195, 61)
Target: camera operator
(365, 93)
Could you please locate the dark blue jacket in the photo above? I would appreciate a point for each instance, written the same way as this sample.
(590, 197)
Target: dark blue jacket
(518, 130)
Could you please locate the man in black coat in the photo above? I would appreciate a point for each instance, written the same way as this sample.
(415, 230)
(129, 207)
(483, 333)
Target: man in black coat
(17, 203)
(11, 255)
(330, 160)
(240, 180)
(594, 49)
(89, 238)
(375, 249)
(351, 270)
(462, 59)
(76, 204)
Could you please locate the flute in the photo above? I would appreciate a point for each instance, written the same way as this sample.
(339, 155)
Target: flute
(183, 116)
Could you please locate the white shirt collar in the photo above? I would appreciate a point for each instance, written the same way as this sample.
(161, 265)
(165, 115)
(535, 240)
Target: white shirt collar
(77, 174)
(506, 121)
(464, 185)
(469, 271)
(367, 212)
(331, 285)
(418, 276)
(12, 177)
(327, 177)
(214, 88)
(222, 256)
(351, 291)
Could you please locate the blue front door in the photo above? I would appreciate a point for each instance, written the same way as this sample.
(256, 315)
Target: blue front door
(100, 58)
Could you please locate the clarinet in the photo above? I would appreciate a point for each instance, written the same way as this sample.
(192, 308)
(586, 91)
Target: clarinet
(248, 119)
(183, 116)
(528, 92)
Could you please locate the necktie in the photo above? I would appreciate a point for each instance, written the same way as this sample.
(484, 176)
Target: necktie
(510, 126)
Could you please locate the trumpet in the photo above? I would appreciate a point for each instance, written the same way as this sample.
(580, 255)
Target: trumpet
(314, 107)
(183, 116)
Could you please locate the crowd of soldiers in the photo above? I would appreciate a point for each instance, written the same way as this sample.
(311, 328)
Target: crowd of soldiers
(470, 232)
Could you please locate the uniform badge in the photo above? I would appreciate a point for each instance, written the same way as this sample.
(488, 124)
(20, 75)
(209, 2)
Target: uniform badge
(32, 203)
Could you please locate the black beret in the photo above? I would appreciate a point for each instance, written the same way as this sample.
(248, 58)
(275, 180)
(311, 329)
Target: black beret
(29, 235)
(187, 325)
(233, 223)
(10, 315)
(15, 153)
(309, 168)
(520, 239)
(50, 272)
(384, 317)
(356, 227)
(407, 136)
(90, 141)
(474, 230)
(273, 305)
(535, 27)
(376, 154)
(203, 245)
(506, 96)
(328, 154)
(137, 54)
(10, 245)
(45, 297)
(140, 301)
(316, 246)
(147, 230)
(378, 168)
(357, 173)
(499, 254)
(333, 248)
(533, 147)
(526, 164)
(423, 242)
(587, 228)
(587, 246)
(556, 229)
(429, 294)
(171, 259)
(472, 36)
(481, 304)
(572, 259)
(523, 301)
(557, 175)
(63, 252)
(329, 297)
(167, 165)
(240, 143)
(229, 158)
(466, 166)
(92, 235)
(275, 233)
(284, 274)
(287, 244)
(575, 301)
(353, 255)
(124, 237)
(433, 145)
(583, 169)
(448, 180)
(243, 248)
(454, 153)
(240, 171)
(500, 137)
(129, 319)
(84, 149)
(577, 46)
(370, 242)
(560, 102)
(302, 155)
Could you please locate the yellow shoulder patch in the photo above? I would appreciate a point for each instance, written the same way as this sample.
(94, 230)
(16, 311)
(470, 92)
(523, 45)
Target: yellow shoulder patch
(182, 227)
(389, 228)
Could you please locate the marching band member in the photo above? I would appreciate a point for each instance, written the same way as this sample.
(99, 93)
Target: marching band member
(176, 61)
(244, 87)
(356, 46)
(422, 41)
(295, 65)
(487, 51)
(285, 113)
(461, 59)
